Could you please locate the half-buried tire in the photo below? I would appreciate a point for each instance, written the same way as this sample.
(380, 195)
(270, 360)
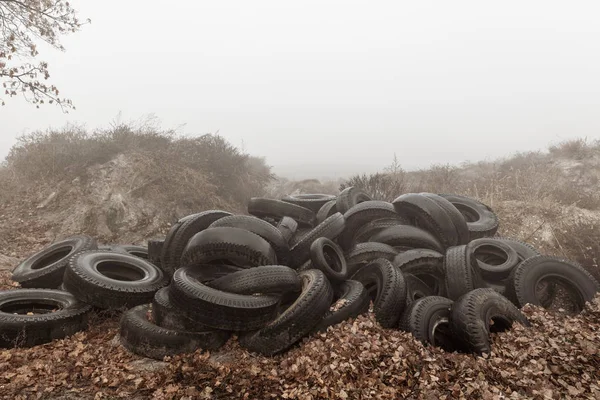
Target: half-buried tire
(350, 300)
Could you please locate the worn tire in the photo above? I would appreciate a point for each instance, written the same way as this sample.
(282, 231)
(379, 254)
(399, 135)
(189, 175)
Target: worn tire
(218, 309)
(297, 320)
(574, 278)
(263, 207)
(326, 211)
(45, 269)
(234, 246)
(270, 279)
(180, 234)
(262, 228)
(313, 202)
(461, 272)
(142, 337)
(350, 300)
(134, 250)
(407, 237)
(472, 313)
(111, 280)
(427, 214)
(166, 315)
(459, 221)
(429, 321)
(328, 257)
(495, 259)
(288, 227)
(330, 229)
(20, 330)
(427, 265)
(361, 214)
(524, 250)
(481, 220)
(387, 288)
(350, 197)
(416, 289)
(363, 253)
(365, 232)
(154, 251)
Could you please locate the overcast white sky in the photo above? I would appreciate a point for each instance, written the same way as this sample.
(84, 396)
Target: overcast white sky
(335, 85)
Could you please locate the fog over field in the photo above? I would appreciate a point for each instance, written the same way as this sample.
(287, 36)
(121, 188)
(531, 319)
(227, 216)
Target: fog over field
(334, 88)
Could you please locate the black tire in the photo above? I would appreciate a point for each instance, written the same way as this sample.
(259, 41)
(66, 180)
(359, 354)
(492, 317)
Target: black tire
(387, 288)
(134, 250)
(472, 313)
(525, 278)
(429, 321)
(326, 211)
(206, 273)
(416, 289)
(495, 259)
(313, 202)
(364, 253)
(108, 279)
(180, 234)
(361, 214)
(262, 228)
(350, 197)
(60, 315)
(365, 232)
(427, 265)
(154, 251)
(262, 207)
(524, 250)
(217, 309)
(45, 269)
(459, 221)
(166, 315)
(297, 320)
(408, 237)
(288, 227)
(427, 214)
(328, 257)
(330, 229)
(144, 338)
(481, 220)
(351, 299)
(270, 279)
(234, 246)
(461, 272)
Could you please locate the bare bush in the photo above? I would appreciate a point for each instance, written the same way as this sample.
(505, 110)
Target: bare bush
(576, 149)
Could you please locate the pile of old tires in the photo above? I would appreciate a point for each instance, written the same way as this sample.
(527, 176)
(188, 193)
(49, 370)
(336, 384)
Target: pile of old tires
(428, 264)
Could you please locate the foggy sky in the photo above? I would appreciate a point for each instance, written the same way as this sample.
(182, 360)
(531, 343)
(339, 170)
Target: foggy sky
(334, 86)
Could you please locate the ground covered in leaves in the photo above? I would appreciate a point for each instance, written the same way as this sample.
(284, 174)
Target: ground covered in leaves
(557, 358)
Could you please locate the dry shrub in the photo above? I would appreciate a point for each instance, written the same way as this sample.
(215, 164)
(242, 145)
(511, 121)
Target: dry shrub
(281, 187)
(580, 242)
(576, 149)
(381, 186)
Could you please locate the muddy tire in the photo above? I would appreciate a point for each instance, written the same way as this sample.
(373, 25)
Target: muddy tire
(386, 286)
(427, 265)
(403, 237)
(429, 321)
(580, 284)
(180, 234)
(59, 315)
(112, 280)
(461, 272)
(45, 269)
(288, 227)
(232, 246)
(218, 309)
(297, 320)
(326, 211)
(472, 313)
(313, 202)
(361, 214)
(270, 279)
(331, 228)
(262, 228)
(350, 197)
(277, 209)
(350, 300)
(328, 257)
(144, 338)
(481, 220)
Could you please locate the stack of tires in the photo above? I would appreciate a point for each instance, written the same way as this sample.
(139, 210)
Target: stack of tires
(428, 264)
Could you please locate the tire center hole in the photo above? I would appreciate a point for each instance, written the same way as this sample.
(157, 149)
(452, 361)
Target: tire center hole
(491, 255)
(555, 295)
(120, 271)
(332, 258)
(30, 307)
(441, 335)
(499, 324)
(52, 257)
(467, 212)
